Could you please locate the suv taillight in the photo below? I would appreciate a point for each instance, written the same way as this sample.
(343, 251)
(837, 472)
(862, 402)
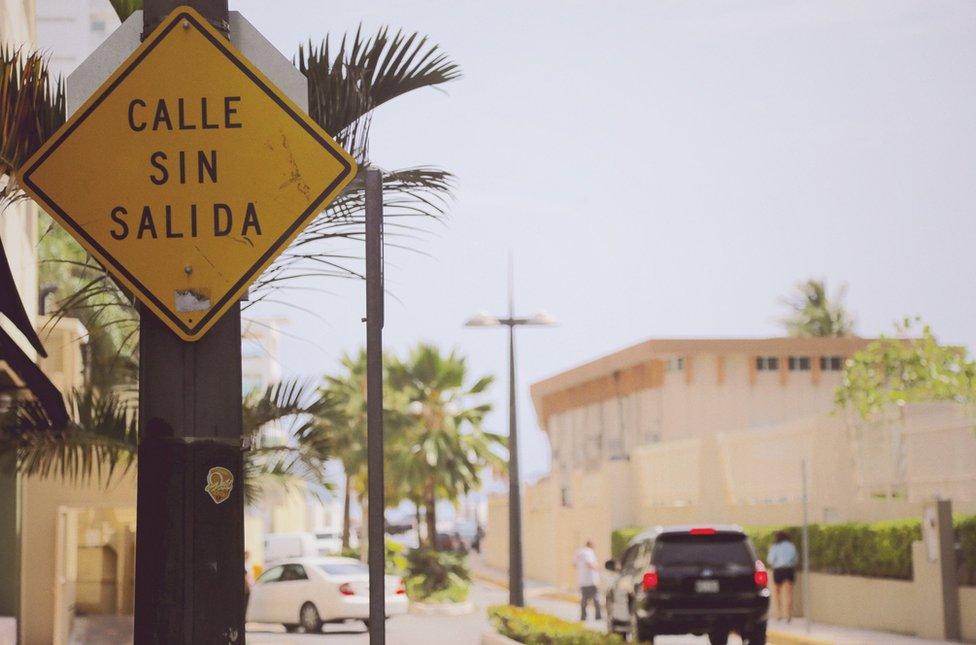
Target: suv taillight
(761, 577)
(650, 579)
(346, 589)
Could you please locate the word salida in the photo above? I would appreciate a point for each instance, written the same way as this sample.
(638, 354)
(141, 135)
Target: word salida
(196, 167)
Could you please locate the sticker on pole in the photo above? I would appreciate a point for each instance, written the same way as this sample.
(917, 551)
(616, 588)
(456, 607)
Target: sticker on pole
(187, 173)
(220, 483)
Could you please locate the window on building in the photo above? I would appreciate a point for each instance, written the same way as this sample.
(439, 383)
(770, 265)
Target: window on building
(831, 363)
(799, 363)
(566, 497)
(767, 363)
(676, 363)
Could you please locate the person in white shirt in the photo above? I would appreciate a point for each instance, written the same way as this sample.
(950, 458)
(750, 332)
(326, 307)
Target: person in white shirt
(782, 560)
(588, 575)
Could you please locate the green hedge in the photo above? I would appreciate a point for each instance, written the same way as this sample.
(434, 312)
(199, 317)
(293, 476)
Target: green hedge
(877, 550)
(526, 625)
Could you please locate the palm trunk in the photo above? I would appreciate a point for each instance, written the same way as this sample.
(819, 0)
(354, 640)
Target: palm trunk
(420, 539)
(364, 538)
(430, 503)
(346, 501)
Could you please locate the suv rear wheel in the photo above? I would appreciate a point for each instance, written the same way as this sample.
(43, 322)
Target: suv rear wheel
(718, 638)
(639, 633)
(756, 635)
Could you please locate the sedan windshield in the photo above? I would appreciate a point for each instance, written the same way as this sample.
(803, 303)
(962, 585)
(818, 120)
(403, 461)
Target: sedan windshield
(344, 568)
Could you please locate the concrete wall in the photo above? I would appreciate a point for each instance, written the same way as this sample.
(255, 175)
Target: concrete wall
(750, 477)
(901, 606)
(967, 606)
(17, 22)
(863, 603)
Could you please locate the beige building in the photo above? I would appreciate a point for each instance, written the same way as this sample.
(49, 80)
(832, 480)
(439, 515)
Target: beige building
(715, 430)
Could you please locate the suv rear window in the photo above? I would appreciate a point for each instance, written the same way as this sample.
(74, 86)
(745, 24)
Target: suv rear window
(678, 549)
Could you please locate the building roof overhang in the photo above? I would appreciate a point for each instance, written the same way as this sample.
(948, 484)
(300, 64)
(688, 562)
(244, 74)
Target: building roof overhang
(12, 307)
(18, 372)
(659, 349)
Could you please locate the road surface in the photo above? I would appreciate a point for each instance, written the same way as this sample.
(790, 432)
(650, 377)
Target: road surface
(413, 629)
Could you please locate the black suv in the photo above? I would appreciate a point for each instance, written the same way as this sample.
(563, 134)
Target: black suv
(689, 579)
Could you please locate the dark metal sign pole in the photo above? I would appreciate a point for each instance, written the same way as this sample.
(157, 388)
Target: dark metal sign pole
(516, 594)
(374, 406)
(189, 545)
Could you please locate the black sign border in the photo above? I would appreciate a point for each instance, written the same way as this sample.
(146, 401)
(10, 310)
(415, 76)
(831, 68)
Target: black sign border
(274, 249)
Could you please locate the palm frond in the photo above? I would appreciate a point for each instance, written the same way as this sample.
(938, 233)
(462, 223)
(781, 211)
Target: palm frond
(347, 82)
(100, 443)
(411, 192)
(31, 109)
(125, 8)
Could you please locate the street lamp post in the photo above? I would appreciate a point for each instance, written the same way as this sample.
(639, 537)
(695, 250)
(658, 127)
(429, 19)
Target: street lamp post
(516, 596)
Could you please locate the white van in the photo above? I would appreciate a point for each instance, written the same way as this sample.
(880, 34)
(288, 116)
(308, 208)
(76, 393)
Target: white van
(283, 546)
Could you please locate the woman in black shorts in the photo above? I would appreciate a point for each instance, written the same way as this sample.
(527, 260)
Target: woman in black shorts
(782, 559)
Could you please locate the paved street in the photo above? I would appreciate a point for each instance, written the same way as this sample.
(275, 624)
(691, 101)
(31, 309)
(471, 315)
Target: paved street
(435, 630)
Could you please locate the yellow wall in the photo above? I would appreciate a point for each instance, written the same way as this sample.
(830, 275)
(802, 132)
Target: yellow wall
(42, 499)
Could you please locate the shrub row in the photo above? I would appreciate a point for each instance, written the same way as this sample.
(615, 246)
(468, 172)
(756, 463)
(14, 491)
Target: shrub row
(526, 625)
(877, 550)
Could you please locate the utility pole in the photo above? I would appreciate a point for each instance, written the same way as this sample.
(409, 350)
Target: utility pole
(374, 407)
(806, 544)
(189, 546)
(516, 595)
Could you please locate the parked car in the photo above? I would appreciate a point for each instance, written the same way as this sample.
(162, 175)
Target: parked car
(279, 546)
(308, 592)
(329, 542)
(689, 579)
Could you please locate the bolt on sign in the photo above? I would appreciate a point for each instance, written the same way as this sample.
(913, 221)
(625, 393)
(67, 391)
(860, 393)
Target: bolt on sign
(187, 173)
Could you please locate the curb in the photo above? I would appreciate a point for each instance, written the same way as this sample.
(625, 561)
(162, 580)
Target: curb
(494, 638)
(490, 579)
(790, 638)
(441, 608)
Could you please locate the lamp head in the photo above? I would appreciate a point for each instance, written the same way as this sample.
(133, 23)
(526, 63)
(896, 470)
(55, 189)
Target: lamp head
(482, 319)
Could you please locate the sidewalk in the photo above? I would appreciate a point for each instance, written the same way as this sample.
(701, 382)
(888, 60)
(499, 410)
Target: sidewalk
(795, 633)
(557, 601)
(533, 588)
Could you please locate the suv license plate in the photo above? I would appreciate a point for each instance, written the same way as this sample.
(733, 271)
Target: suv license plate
(706, 586)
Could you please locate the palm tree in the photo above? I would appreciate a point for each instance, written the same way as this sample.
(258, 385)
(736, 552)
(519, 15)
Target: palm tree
(349, 391)
(816, 315)
(102, 441)
(446, 447)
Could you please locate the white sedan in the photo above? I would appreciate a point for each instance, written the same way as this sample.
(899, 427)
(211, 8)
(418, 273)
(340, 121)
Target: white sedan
(307, 592)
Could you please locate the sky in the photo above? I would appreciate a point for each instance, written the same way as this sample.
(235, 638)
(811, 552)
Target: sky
(662, 168)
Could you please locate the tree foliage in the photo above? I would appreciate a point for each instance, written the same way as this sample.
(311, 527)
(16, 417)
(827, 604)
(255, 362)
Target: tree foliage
(31, 109)
(892, 372)
(101, 443)
(444, 447)
(814, 314)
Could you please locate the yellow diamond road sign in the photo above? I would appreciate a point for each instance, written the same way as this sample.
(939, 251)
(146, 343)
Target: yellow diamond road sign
(187, 173)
